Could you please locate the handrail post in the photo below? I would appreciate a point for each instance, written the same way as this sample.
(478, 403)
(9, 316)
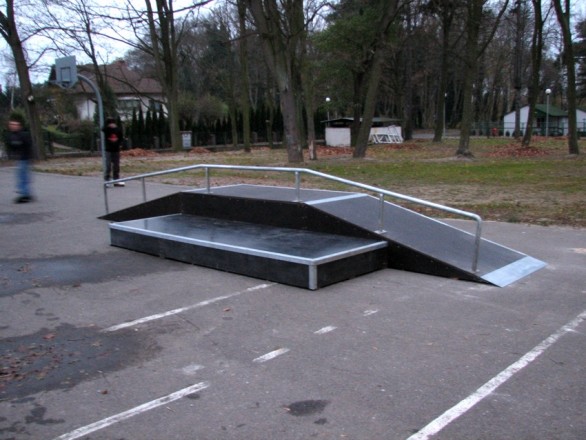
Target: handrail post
(476, 255)
(381, 214)
(106, 197)
(207, 180)
(297, 187)
(144, 197)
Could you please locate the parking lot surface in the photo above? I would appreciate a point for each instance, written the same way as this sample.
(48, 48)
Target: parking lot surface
(103, 343)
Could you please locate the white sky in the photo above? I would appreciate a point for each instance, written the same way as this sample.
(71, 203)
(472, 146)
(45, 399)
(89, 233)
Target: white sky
(108, 50)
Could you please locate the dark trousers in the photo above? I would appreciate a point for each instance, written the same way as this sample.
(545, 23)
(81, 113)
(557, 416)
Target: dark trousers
(112, 165)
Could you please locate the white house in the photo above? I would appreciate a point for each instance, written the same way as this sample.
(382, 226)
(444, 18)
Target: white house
(581, 121)
(132, 91)
(551, 116)
(382, 130)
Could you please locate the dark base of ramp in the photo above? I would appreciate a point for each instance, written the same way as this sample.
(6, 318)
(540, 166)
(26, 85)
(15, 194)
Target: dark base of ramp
(296, 257)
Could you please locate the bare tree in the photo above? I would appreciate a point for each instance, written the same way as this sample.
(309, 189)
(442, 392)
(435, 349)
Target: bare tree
(536, 56)
(563, 13)
(159, 33)
(366, 85)
(244, 78)
(474, 48)
(281, 31)
(74, 26)
(9, 31)
(446, 9)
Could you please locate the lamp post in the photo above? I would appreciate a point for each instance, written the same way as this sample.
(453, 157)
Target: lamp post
(445, 98)
(547, 93)
(328, 106)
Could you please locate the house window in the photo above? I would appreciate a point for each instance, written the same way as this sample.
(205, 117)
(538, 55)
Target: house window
(127, 106)
(155, 106)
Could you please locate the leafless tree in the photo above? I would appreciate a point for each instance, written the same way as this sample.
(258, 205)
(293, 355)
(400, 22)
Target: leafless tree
(562, 10)
(10, 33)
(473, 50)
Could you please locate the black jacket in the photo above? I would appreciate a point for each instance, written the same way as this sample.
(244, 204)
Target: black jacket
(19, 145)
(113, 137)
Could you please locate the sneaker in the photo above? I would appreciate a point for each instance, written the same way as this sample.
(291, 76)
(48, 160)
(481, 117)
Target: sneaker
(23, 199)
(120, 184)
(109, 185)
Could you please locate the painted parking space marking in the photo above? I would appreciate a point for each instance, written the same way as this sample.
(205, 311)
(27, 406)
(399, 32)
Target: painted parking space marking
(273, 354)
(104, 423)
(323, 330)
(485, 390)
(188, 370)
(183, 309)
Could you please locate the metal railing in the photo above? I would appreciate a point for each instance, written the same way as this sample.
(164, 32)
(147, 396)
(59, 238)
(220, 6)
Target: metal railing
(298, 172)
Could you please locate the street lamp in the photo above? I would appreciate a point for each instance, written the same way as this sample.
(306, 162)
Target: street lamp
(328, 106)
(445, 99)
(547, 93)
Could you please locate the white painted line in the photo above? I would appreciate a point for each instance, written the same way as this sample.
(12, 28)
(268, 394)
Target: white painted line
(323, 330)
(81, 432)
(190, 370)
(369, 312)
(485, 390)
(271, 355)
(182, 309)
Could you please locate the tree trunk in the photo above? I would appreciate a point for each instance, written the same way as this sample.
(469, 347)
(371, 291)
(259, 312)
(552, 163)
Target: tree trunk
(470, 57)
(517, 67)
(366, 82)
(569, 61)
(536, 51)
(244, 82)
(164, 48)
(447, 14)
(408, 97)
(9, 32)
(369, 106)
(279, 47)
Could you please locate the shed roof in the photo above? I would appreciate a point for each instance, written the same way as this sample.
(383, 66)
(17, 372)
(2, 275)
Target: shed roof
(379, 121)
(551, 109)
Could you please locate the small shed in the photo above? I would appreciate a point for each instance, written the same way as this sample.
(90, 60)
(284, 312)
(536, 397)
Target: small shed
(383, 130)
(554, 117)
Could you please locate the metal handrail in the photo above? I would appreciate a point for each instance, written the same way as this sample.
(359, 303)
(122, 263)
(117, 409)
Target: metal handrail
(298, 171)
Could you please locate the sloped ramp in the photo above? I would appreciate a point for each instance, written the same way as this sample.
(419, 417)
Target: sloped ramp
(422, 244)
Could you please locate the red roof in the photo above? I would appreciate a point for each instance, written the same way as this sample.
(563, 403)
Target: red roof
(121, 79)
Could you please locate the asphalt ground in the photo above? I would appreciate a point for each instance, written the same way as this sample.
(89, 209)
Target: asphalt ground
(98, 342)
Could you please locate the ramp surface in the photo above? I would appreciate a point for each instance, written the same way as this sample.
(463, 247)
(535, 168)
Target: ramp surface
(291, 256)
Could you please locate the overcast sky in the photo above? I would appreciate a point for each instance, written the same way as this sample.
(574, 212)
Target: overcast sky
(109, 50)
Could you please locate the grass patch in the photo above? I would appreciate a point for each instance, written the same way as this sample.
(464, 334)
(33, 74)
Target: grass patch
(504, 182)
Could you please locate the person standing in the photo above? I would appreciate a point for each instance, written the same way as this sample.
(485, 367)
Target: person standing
(20, 147)
(114, 137)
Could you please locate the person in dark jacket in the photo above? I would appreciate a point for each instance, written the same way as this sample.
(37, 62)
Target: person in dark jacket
(114, 137)
(20, 147)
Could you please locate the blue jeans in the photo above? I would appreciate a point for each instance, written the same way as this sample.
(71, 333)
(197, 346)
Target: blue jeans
(23, 178)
